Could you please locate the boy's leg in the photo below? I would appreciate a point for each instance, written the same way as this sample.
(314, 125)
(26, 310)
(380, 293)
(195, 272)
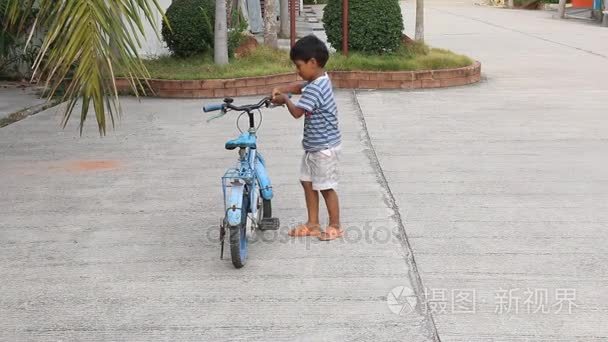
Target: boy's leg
(312, 204)
(333, 207)
(334, 230)
(325, 174)
(312, 226)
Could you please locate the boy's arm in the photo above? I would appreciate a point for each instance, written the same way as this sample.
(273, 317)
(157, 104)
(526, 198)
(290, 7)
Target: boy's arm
(280, 96)
(307, 103)
(293, 88)
(295, 111)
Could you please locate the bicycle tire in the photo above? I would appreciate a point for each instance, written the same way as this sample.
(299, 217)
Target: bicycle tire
(239, 243)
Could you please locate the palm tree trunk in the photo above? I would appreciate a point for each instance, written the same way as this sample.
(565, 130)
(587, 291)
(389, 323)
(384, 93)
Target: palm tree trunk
(561, 11)
(221, 33)
(511, 3)
(419, 20)
(284, 18)
(270, 24)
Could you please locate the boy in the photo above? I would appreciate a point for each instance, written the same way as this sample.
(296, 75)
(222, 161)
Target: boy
(322, 138)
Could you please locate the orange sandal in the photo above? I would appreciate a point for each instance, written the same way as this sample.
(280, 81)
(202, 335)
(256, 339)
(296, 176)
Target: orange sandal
(331, 233)
(303, 230)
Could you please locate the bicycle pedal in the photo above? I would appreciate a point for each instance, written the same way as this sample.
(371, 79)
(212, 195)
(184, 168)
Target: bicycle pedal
(270, 223)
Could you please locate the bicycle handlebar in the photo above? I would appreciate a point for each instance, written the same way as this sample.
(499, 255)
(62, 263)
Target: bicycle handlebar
(212, 107)
(265, 102)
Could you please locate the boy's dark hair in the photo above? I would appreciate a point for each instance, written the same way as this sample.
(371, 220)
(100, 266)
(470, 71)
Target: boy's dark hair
(308, 48)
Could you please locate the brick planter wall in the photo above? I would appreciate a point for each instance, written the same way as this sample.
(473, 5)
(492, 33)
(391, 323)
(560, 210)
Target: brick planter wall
(340, 79)
(407, 79)
(214, 88)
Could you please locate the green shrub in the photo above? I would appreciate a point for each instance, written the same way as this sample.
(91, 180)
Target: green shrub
(191, 29)
(192, 25)
(375, 26)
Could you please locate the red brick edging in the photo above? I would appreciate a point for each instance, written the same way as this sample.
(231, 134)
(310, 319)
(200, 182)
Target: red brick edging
(341, 79)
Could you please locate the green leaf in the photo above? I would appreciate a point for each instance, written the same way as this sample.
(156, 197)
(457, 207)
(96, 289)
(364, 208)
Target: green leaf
(85, 41)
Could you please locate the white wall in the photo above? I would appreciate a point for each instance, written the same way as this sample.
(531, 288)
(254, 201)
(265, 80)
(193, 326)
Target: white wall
(152, 46)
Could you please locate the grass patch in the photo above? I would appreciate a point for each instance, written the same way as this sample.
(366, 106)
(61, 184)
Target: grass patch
(264, 61)
(414, 57)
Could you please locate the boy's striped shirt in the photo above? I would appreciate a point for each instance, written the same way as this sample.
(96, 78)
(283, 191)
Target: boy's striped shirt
(321, 129)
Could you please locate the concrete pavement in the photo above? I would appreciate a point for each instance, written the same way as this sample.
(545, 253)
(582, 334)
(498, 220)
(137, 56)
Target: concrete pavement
(502, 185)
(116, 238)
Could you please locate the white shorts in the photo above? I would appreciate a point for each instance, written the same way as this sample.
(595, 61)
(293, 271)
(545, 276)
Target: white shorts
(321, 168)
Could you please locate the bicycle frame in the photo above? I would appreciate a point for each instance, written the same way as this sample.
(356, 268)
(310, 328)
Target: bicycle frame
(248, 177)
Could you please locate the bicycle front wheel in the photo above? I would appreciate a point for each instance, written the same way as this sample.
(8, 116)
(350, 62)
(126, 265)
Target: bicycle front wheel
(238, 237)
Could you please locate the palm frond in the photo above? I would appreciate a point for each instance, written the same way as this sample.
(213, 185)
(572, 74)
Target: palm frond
(84, 42)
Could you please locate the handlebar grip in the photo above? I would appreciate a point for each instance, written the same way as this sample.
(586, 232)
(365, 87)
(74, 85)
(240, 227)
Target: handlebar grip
(212, 107)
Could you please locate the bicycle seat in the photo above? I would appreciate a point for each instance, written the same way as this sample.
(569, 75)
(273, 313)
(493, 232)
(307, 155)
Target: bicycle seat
(243, 141)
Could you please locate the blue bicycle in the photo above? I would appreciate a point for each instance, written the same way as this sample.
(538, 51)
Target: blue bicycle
(246, 187)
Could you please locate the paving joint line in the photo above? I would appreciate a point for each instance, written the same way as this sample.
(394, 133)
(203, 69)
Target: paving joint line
(391, 202)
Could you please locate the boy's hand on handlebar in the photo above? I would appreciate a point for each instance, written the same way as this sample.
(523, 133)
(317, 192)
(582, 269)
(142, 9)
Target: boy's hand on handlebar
(275, 92)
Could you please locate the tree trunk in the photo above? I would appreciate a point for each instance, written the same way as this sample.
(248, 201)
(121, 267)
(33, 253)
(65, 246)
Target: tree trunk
(229, 9)
(284, 19)
(220, 48)
(245, 13)
(561, 11)
(419, 20)
(605, 18)
(270, 24)
(511, 3)
(234, 13)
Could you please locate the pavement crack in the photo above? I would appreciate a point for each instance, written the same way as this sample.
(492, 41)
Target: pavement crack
(413, 273)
